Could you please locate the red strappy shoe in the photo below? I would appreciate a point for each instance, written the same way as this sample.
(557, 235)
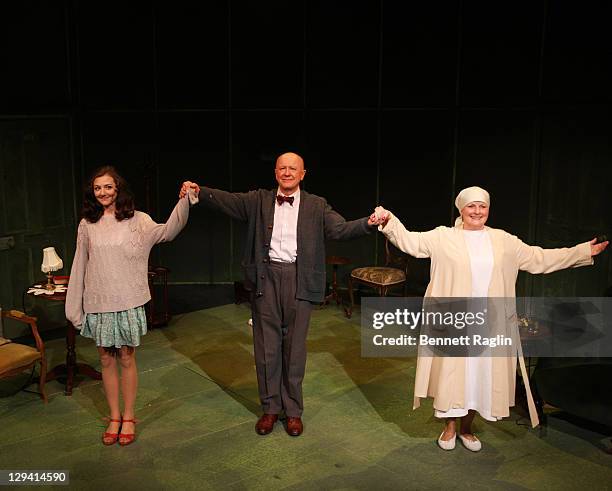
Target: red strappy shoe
(111, 438)
(127, 438)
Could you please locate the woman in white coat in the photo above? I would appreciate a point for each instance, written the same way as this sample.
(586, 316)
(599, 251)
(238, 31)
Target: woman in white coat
(472, 260)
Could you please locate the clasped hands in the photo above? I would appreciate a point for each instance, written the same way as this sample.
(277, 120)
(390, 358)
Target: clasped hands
(379, 217)
(187, 186)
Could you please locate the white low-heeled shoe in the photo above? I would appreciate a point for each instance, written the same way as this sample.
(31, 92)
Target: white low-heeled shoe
(471, 445)
(447, 444)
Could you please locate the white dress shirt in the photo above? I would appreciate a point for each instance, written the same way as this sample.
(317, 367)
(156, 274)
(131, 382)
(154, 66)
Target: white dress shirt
(283, 246)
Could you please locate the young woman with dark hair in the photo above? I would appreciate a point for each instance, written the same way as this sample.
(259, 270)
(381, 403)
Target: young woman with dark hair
(93, 209)
(109, 285)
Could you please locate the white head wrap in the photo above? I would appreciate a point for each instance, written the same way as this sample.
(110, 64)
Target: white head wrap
(469, 195)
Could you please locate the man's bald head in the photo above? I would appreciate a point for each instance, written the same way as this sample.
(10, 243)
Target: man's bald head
(289, 172)
(290, 158)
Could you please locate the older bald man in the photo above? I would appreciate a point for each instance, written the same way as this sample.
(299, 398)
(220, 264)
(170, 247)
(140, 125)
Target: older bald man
(284, 264)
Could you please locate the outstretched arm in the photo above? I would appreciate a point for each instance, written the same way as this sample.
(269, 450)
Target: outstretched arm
(537, 260)
(337, 228)
(235, 205)
(165, 232)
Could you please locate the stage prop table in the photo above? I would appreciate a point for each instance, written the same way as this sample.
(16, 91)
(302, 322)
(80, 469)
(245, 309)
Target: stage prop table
(69, 369)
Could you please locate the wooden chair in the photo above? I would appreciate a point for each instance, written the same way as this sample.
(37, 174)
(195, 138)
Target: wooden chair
(16, 358)
(382, 278)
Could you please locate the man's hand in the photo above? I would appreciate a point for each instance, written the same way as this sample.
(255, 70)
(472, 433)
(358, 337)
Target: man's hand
(187, 185)
(379, 217)
(598, 248)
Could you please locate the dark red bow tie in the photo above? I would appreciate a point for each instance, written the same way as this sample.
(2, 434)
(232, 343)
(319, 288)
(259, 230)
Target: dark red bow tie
(281, 199)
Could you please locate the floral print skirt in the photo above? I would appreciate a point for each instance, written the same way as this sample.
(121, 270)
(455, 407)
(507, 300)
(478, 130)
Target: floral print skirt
(116, 329)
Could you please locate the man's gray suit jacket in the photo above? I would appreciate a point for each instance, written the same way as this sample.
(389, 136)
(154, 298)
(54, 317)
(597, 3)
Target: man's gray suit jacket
(317, 221)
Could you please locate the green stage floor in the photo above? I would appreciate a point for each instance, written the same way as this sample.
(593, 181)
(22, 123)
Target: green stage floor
(197, 404)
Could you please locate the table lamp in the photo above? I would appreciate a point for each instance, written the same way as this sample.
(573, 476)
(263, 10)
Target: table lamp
(51, 262)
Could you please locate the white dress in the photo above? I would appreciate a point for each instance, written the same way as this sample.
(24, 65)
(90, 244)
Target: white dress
(478, 369)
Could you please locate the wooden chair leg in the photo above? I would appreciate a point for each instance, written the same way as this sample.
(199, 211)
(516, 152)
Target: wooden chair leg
(349, 311)
(42, 380)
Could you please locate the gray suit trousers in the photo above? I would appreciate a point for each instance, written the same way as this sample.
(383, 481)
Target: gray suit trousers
(280, 326)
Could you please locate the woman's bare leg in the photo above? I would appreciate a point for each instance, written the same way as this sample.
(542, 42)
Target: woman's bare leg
(450, 428)
(129, 385)
(110, 380)
(466, 425)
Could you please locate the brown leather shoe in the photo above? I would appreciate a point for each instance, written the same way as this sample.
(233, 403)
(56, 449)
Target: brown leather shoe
(294, 426)
(265, 424)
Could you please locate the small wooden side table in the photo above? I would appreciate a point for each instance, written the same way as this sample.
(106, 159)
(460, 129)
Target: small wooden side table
(158, 313)
(335, 261)
(71, 367)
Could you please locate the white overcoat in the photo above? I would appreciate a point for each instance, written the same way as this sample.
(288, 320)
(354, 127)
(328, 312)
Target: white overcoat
(443, 378)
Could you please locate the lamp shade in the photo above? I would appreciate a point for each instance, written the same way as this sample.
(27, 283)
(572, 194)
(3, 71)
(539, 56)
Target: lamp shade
(51, 261)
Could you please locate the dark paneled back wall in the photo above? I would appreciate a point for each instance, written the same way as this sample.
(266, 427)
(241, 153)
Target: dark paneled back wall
(397, 103)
